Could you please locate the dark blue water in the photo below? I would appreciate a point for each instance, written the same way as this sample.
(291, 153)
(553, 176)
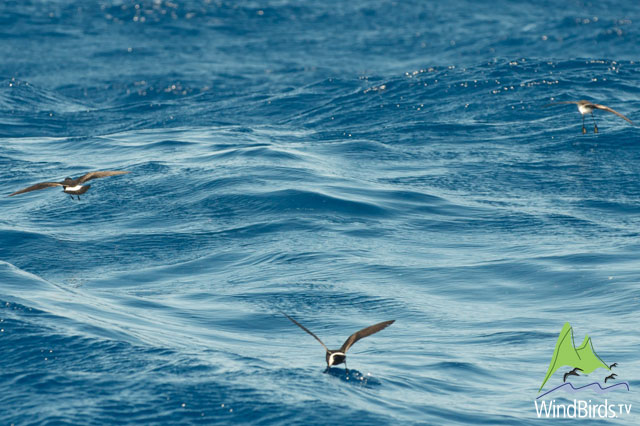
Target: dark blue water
(344, 162)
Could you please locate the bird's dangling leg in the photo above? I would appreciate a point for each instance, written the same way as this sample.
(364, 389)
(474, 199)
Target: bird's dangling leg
(345, 367)
(584, 130)
(78, 198)
(71, 196)
(595, 126)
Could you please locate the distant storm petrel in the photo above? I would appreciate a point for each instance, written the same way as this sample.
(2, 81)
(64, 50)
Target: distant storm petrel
(586, 107)
(339, 356)
(72, 186)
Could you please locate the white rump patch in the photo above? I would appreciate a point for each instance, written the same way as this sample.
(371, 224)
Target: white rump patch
(585, 109)
(332, 355)
(73, 188)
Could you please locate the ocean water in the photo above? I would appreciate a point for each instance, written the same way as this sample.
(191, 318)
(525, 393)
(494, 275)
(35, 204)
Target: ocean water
(343, 162)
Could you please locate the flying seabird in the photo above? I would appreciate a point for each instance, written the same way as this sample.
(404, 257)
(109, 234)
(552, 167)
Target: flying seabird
(610, 376)
(72, 186)
(586, 107)
(339, 356)
(573, 372)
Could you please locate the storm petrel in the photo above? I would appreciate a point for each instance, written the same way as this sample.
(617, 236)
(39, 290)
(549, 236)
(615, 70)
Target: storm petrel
(72, 186)
(586, 107)
(339, 356)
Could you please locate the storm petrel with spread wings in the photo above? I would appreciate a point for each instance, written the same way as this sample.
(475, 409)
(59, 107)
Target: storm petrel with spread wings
(339, 356)
(72, 186)
(586, 107)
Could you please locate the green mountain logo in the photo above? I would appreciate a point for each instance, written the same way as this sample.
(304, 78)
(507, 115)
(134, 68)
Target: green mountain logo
(583, 359)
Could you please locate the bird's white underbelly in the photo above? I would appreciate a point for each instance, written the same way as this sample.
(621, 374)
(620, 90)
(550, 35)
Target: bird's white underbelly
(73, 188)
(585, 109)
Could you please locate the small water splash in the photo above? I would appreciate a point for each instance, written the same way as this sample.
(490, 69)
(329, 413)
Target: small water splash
(354, 377)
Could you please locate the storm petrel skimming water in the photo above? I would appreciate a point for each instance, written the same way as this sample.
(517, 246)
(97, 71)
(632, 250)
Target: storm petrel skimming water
(586, 107)
(72, 186)
(339, 356)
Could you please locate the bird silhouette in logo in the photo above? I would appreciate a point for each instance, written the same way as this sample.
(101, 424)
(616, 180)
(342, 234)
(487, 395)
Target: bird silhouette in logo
(573, 372)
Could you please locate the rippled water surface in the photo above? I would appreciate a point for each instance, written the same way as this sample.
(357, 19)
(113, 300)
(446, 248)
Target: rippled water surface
(343, 162)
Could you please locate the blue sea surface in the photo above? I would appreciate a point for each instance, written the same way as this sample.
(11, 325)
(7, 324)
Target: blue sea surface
(345, 163)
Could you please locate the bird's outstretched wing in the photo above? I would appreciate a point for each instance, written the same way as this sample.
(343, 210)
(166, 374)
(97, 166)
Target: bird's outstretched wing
(96, 175)
(40, 185)
(364, 333)
(606, 108)
(305, 329)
